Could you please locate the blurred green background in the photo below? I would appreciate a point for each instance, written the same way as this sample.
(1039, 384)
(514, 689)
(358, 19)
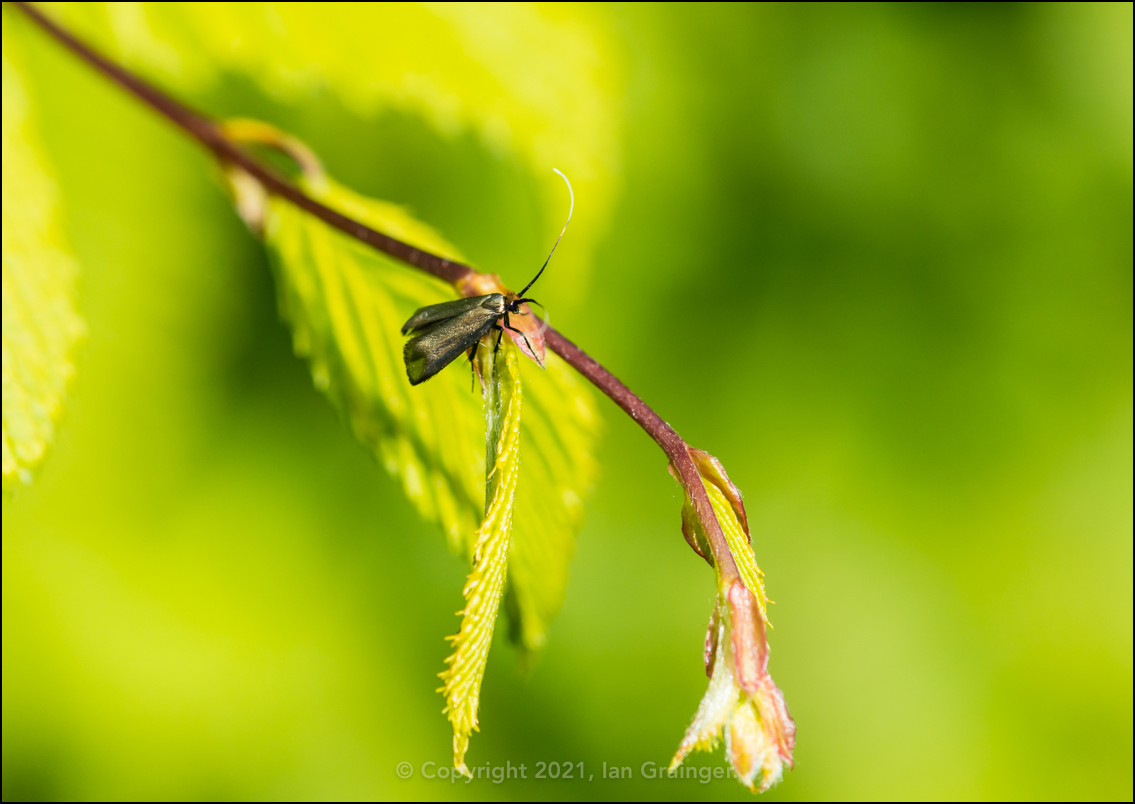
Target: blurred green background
(877, 259)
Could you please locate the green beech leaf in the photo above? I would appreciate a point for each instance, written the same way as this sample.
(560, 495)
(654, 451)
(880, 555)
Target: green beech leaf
(346, 303)
(559, 429)
(40, 322)
(485, 584)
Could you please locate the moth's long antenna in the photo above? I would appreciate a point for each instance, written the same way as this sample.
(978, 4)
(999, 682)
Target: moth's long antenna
(553, 251)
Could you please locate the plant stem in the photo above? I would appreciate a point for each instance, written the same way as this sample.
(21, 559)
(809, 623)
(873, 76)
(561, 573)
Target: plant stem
(209, 134)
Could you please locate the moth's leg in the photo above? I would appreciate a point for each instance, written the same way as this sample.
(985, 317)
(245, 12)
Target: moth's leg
(511, 328)
(472, 368)
(499, 336)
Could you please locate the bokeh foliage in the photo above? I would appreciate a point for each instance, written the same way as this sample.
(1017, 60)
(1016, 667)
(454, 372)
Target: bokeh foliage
(876, 259)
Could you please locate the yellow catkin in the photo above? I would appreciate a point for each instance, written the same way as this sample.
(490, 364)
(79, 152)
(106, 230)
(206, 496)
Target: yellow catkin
(738, 545)
(485, 584)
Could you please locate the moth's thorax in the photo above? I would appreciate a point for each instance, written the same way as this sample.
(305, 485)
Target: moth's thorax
(495, 302)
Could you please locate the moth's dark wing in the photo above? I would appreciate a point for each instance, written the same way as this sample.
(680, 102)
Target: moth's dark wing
(443, 312)
(437, 344)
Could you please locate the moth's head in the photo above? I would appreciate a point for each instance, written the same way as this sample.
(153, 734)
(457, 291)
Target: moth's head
(513, 302)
